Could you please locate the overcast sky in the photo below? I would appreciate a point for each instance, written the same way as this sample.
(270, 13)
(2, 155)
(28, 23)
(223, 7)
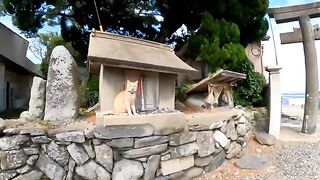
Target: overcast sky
(290, 57)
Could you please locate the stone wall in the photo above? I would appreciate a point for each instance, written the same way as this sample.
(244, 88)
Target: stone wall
(121, 152)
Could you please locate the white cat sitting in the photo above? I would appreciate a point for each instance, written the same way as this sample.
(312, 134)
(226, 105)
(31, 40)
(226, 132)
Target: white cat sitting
(125, 100)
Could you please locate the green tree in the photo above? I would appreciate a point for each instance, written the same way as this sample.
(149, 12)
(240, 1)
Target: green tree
(50, 41)
(218, 43)
(136, 18)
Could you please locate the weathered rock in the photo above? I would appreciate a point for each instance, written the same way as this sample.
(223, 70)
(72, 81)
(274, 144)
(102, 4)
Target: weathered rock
(251, 162)
(74, 136)
(192, 173)
(175, 165)
(32, 159)
(182, 138)
(104, 156)
(71, 166)
(111, 132)
(231, 130)
(163, 178)
(220, 138)
(62, 89)
(78, 153)
(241, 129)
(58, 153)
(25, 115)
(231, 147)
(97, 142)
(150, 141)
(127, 169)
(13, 159)
(223, 128)
(23, 169)
(265, 138)
(33, 131)
(145, 151)
(165, 157)
(89, 149)
(50, 168)
(37, 98)
(121, 143)
(205, 143)
(40, 139)
(92, 171)
(12, 142)
(142, 159)
(152, 166)
(31, 150)
(34, 175)
(216, 162)
(203, 161)
(234, 152)
(7, 175)
(11, 131)
(2, 125)
(183, 150)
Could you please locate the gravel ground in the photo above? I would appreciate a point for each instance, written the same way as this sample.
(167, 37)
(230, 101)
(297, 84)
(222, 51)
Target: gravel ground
(285, 161)
(295, 160)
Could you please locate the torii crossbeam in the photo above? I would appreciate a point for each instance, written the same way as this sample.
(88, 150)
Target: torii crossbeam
(303, 13)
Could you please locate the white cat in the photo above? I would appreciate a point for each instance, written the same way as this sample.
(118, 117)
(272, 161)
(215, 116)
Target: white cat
(124, 102)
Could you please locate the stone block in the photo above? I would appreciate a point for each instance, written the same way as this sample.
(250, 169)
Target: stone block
(205, 143)
(151, 167)
(37, 98)
(34, 175)
(182, 138)
(58, 153)
(150, 141)
(13, 159)
(73, 136)
(231, 130)
(121, 143)
(183, 150)
(123, 131)
(216, 162)
(127, 169)
(145, 151)
(104, 156)
(50, 168)
(221, 138)
(13, 142)
(203, 161)
(175, 165)
(92, 171)
(78, 153)
(62, 89)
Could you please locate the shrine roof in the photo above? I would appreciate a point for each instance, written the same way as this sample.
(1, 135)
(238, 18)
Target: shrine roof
(221, 77)
(132, 53)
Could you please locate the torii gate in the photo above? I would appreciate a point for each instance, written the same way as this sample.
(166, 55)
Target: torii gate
(303, 13)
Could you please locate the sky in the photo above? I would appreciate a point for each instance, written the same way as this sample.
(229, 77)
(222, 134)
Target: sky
(290, 57)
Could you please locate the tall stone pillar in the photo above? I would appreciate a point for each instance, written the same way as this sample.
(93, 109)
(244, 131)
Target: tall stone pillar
(2, 88)
(311, 98)
(274, 101)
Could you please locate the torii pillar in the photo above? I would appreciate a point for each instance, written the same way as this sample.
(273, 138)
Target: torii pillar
(302, 13)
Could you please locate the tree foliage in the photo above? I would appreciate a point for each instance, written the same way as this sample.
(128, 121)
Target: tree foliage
(138, 18)
(51, 40)
(218, 43)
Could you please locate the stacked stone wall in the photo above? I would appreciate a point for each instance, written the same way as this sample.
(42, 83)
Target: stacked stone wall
(121, 152)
